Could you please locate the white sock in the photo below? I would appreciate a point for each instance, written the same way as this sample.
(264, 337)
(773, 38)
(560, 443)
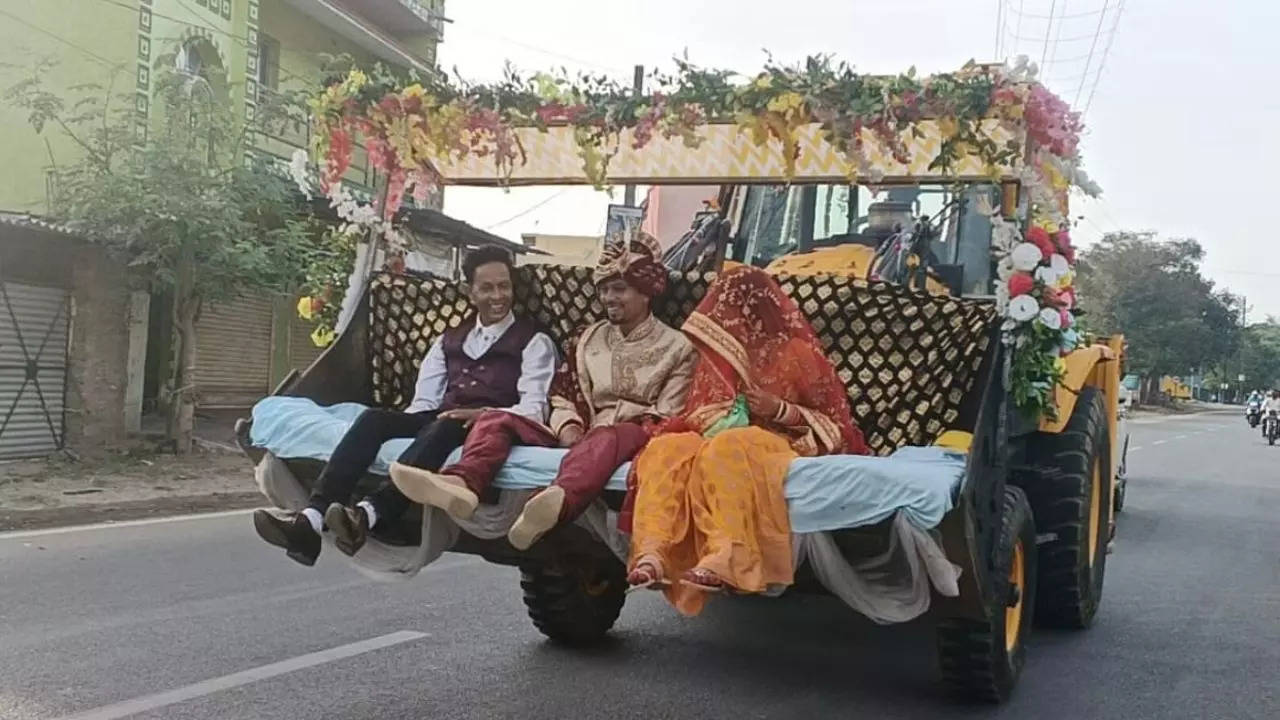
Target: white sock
(314, 517)
(369, 511)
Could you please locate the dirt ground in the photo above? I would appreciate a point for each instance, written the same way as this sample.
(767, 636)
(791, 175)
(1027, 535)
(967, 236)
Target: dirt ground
(120, 486)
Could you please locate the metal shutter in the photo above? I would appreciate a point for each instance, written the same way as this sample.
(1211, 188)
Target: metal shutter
(233, 352)
(34, 324)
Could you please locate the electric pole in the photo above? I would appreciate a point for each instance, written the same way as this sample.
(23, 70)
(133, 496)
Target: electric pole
(637, 85)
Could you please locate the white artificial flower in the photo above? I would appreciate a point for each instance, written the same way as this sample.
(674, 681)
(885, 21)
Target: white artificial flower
(1004, 268)
(1059, 264)
(1026, 256)
(298, 170)
(1008, 324)
(1048, 275)
(1023, 308)
(1051, 318)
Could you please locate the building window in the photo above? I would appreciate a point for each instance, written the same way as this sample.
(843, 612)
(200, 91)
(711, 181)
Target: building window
(268, 62)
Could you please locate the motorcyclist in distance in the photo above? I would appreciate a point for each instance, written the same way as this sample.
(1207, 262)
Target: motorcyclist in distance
(1272, 405)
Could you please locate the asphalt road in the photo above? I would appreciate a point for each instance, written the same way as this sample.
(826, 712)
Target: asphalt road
(197, 618)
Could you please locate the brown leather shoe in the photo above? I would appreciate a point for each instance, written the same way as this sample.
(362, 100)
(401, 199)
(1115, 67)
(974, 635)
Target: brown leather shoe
(291, 531)
(350, 527)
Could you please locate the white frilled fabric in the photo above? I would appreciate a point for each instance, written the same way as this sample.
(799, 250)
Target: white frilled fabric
(893, 587)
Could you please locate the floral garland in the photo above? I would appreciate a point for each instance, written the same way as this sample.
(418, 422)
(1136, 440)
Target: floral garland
(407, 129)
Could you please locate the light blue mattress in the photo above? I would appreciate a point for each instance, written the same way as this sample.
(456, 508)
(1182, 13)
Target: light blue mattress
(823, 493)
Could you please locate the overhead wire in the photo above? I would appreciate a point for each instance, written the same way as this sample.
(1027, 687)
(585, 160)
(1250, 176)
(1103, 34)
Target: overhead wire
(1102, 63)
(1044, 54)
(105, 61)
(1057, 40)
(1092, 47)
(530, 209)
(1033, 16)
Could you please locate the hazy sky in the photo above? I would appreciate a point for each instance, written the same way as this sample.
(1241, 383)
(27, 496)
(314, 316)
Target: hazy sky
(1184, 125)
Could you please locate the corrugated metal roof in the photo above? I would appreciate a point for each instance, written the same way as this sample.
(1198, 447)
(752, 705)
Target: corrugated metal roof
(28, 221)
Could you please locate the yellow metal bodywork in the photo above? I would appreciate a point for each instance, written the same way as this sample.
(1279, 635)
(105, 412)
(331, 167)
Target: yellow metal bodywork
(1098, 365)
(851, 260)
(1175, 388)
(728, 156)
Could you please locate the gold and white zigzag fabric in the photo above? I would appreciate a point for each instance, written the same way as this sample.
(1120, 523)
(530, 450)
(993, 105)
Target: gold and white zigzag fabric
(728, 156)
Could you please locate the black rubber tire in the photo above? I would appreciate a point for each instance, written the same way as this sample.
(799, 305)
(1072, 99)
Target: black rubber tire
(974, 658)
(577, 607)
(1070, 585)
(1117, 501)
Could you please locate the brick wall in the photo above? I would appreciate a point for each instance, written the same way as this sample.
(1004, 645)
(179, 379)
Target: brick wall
(99, 335)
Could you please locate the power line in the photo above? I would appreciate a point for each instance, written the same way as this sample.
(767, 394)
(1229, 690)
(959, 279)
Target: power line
(530, 209)
(1057, 40)
(1018, 29)
(64, 41)
(1061, 16)
(1047, 28)
(1102, 63)
(1096, 33)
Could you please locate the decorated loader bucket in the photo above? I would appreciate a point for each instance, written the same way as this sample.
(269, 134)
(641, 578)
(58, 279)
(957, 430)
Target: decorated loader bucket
(1024, 517)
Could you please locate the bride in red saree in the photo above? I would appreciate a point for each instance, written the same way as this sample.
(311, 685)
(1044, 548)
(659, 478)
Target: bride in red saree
(710, 510)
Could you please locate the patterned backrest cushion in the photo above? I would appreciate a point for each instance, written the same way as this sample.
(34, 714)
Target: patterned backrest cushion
(908, 359)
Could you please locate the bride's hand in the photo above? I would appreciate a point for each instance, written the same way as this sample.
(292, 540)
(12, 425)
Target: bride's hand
(762, 404)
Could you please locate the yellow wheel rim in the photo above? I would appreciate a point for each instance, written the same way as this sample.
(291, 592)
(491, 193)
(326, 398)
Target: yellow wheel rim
(1013, 613)
(1095, 512)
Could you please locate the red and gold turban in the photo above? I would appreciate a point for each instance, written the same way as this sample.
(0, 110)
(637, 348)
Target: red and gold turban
(638, 263)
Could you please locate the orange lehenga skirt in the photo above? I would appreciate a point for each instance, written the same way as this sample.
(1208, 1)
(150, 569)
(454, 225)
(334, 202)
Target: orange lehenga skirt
(716, 504)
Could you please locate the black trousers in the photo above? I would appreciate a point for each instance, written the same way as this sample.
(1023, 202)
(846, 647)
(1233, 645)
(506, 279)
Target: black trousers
(433, 440)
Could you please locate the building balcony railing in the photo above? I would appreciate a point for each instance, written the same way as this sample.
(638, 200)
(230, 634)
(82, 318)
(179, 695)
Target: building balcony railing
(286, 132)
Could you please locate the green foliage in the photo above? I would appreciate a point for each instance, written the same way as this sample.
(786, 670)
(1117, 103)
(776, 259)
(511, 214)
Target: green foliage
(1260, 355)
(190, 187)
(1152, 291)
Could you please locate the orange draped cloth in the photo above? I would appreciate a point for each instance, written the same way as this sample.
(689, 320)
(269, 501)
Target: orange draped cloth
(717, 503)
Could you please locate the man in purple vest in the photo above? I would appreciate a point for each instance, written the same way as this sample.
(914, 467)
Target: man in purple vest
(493, 360)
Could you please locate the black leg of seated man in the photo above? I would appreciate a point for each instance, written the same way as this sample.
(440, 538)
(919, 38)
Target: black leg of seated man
(299, 533)
(429, 450)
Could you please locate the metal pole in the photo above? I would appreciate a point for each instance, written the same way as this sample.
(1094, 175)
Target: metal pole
(637, 84)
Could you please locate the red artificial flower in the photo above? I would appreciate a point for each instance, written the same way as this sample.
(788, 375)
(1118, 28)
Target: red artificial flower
(1040, 238)
(1020, 284)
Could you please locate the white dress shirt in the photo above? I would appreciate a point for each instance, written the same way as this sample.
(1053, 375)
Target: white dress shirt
(537, 366)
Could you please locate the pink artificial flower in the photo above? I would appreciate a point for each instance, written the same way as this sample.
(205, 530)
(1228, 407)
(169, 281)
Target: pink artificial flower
(1067, 319)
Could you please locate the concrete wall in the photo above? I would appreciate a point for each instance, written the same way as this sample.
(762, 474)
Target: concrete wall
(93, 42)
(118, 45)
(98, 356)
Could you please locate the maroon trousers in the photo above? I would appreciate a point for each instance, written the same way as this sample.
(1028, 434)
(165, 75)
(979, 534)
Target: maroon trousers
(583, 473)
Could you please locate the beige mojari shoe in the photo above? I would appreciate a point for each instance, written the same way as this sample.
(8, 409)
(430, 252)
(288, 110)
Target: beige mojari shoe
(540, 515)
(446, 492)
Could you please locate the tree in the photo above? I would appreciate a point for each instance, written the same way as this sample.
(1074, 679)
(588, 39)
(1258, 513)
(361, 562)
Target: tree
(1152, 291)
(1260, 355)
(188, 206)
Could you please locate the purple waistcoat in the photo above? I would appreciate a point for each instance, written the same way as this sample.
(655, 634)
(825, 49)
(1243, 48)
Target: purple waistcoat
(490, 380)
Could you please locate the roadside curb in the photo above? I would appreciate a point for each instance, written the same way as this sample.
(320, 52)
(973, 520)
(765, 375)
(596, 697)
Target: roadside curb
(44, 518)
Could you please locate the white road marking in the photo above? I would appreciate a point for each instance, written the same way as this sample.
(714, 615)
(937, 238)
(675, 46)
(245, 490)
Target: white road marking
(244, 677)
(19, 534)
(1135, 448)
(1159, 442)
